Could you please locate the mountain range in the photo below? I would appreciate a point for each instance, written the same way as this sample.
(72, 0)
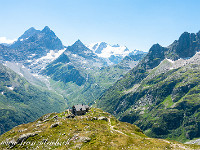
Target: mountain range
(158, 91)
(59, 76)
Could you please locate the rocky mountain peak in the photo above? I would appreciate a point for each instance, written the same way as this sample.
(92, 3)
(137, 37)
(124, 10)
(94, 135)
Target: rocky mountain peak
(186, 46)
(78, 46)
(34, 44)
(156, 51)
(48, 31)
(78, 43)
(31, 29)
(46, 28)
(28, 33)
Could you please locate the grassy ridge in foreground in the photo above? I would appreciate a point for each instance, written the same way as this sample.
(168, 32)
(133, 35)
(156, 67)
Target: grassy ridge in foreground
(95, 130)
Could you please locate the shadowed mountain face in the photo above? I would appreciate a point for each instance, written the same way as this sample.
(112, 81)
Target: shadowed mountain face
(62, 70)
(186, 46)
(157, 94)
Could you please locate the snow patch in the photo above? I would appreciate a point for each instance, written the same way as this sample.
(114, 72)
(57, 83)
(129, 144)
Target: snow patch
(52, 55)
(171, 61)
(29, 60)
(74, 55)
(32, 55)
(21, 74)
(11, 88)
(35, 75)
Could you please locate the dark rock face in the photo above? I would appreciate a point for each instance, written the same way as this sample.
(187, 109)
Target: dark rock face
(3, 52)
(186, 46)
(154, 57)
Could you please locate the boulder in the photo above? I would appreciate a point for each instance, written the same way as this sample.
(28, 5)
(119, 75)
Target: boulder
(70, 116)
(24, 137)
(55, 125)
(84, 139)
(103, 118)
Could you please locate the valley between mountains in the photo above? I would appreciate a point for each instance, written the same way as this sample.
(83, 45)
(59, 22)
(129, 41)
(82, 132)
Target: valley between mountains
(152, 95)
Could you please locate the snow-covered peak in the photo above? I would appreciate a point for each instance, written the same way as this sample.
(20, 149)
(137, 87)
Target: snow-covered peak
(105, 50)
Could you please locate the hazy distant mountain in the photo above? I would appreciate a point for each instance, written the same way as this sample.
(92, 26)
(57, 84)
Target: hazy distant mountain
(113, 54)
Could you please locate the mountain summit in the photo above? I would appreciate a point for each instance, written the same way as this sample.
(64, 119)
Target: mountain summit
(28, 33)
(34, 44)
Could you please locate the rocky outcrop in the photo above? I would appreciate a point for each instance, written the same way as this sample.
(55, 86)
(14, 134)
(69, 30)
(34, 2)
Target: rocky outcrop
(55, 125)
(103, 118)
(24, 137)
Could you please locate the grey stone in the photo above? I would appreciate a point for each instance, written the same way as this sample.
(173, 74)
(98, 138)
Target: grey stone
(55, 125)
(103, 118)
(24, 137)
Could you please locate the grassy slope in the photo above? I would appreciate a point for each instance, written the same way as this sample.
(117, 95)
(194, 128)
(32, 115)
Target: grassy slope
(25, 102)
(100, 134)
(167, 105)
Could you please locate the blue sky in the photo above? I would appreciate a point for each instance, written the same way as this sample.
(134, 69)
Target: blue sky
(138, 24)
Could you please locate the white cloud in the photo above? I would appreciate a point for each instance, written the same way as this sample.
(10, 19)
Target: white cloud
(5, 40)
